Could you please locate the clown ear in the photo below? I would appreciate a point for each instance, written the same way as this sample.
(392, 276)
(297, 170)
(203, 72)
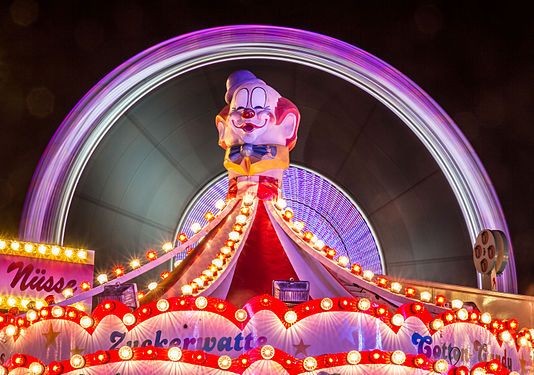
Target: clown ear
(288, 126)
(221, 127)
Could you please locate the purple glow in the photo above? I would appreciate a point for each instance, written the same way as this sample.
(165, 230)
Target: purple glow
(55, 179)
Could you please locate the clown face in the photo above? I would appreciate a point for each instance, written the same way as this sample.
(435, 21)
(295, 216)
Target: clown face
(251, 117)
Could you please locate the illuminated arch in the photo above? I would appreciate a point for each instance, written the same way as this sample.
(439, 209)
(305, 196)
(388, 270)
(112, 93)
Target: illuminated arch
(56, 177)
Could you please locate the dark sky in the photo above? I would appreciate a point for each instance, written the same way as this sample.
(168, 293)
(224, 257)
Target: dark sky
(476, 59)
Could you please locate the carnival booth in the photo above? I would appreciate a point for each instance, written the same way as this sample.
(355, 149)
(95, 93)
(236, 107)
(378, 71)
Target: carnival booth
(253, 288)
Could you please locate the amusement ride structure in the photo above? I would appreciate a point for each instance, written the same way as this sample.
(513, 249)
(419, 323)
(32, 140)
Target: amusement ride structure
(257, 288)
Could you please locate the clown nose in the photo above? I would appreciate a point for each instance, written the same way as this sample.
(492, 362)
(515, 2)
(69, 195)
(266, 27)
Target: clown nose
(248, 113)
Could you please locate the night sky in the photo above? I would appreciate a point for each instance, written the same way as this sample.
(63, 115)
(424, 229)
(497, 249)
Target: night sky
(476, 59)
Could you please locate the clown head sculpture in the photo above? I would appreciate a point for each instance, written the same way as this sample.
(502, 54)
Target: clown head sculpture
(257, 128)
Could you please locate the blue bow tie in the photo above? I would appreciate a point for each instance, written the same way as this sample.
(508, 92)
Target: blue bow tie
(250, 150)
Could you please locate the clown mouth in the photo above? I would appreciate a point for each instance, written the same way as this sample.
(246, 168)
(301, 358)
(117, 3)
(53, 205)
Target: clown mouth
(249, 127)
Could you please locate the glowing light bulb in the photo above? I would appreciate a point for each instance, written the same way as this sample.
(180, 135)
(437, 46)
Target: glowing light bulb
(220, 204)
(167, 246)
(36, 368)
(32, 315)
(69, 253)
(309, 363)
(129, 319)
(196, 227)
(248, 200)
(441, 366)
(82, 254)
(102, 278)
(319, 245)
(456, 304)
(224, 362)
(15, 245)
(426, 296)
(280, 204)
(354, 357)
(298, 226)
(234, 236)
(241, 315)
(368, 275)
(290, 317)
(153, 285)
(364, 304)
(28, 247)
(55, 250)
(41, 249)
(125, 353)
(2, 244)
(396, 287)
(326, 304)
(343, 261)
(241, 219)
(397, 320)
(135, 263)
(11, 301)
(39, 304)
(217, 263)
(187, 290)
(398, 357)
(174, 354)
(86, 322)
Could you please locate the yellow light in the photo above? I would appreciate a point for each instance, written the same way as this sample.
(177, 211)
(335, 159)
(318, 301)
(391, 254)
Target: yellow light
(220, 204)
(55, 250)
(199, 282)
(125, 353)
(42, 249)
(39, 304)
(24, 302)
(36, 368)
(437, 324)
(58, 311)
(82, 254)
(248, 200)
(241, 315)
(174, 354)
(522, 341)
(163, 305)
(281, 204)
(217, 263)
(241, 219)
(201, 302)
(426, 296)
(368, 275)
(326, 304)
(187, 290)
(319, 245)
(67, 292)
(102, 278)
(441, 366)
(129, 319)
(86, 322)
(364, 304)
(267, 352)
(11, 330)
(462, 314)
(485, 318)
(69, 253)
(11, 301)
(456, 304)
(224, 362)
(2, 244)
(167, 246)
(234, 236)
(396, 287)
(343, 261)
(32, 315)
(226, 250)
(79, 306)
(28, 247)
(196, 227)
(15, 245)
(397, 320)
(77, 361)
(478, 371)
(298, 226)
(208, 274)
(153, 285)
(290, 317)
(354, 357)
(135, 263)
(309, 364)
(398, 357)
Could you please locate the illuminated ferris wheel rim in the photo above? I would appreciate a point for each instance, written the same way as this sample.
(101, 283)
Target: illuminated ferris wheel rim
(56, 177)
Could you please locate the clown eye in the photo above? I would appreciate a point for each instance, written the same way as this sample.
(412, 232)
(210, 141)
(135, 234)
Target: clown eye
(240, 108)
(258, 107)
(258, 97)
